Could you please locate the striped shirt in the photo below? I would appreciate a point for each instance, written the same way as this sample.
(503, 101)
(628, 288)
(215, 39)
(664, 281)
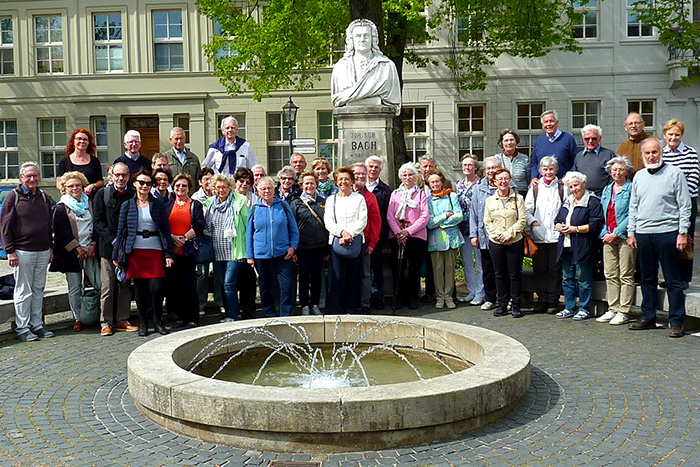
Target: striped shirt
(686, 159)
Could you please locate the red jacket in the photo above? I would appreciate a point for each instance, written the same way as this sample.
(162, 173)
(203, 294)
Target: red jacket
(374, 218)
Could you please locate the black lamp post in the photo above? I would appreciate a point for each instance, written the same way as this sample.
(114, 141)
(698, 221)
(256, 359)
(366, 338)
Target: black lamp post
(290, 115)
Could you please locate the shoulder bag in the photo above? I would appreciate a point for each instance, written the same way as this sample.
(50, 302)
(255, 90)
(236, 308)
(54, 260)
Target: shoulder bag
(348, 250)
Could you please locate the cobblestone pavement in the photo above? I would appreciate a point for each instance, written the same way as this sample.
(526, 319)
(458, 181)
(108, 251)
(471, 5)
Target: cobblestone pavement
(600, 395)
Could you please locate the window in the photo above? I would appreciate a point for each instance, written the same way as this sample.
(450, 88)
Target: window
(49, 44)
(470, 130)
(588, 27)
(583, 113)
(635, 28)
(225, 51)
(415, 131)
(99, 130)
(469, 29)
(52, 144)
(328, 136)
(167, 39)
(240, 118)
(528, 125)
(645, 108)
(9, 163)
(108, 42)
(278, 142)
(183, 121)
(7, 40)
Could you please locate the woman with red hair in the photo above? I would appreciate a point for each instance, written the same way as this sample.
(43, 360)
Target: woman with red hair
(80, 156)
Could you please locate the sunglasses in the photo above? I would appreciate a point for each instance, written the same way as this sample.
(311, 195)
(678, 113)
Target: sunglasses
(144, 182)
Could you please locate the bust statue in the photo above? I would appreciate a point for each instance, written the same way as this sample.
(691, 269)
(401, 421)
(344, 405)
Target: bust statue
(365, 75)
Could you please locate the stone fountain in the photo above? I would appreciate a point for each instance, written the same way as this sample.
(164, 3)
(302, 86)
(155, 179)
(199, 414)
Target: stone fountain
(290, 419)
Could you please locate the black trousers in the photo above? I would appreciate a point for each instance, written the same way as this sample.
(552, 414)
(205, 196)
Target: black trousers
(547, 272)
(408, 272)
(247, 288)
(508, 266)
(310, 263)
(686, 265)
(150, 292)
(182, 289)
(489, 276)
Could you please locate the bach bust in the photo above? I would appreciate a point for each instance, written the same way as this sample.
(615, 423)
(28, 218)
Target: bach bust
(365, 75)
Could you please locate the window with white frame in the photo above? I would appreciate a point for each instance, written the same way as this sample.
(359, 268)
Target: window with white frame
(328, 136)
(109, 53)
(99, 130)
(587, 28)
(528, 124)
(167, 40)
(278, 141)
(9, 162)
(7, 44)
(646, 108)
(415, 131)
(48, 34)
(469, 30)
(225, 51)
(470, 130)
(635, 27)
(52, 144)
(240, 118)
(583, 113)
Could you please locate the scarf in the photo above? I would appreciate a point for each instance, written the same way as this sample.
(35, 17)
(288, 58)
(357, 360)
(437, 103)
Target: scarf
(406, 201)
(308, 198)
(325, 187)
(219, 145)
(225, 208)
(78, 207)
(442, 193)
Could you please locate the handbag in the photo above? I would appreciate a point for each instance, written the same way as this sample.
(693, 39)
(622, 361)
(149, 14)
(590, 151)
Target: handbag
(205, 249)
(529, 245)
(688, 253)
(348, 250)
(90, 304)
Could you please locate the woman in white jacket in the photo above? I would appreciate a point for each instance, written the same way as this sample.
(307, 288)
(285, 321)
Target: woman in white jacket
(542, 204)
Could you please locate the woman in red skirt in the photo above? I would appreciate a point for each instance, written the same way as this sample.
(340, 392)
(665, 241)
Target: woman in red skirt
(144, 235)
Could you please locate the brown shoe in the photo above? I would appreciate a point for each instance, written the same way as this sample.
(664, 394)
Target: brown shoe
(642, 324)
(107, 331)
(126, 326)
(675, 331)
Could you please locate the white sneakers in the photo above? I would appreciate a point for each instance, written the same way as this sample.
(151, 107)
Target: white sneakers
(613, 318)
(488, 306)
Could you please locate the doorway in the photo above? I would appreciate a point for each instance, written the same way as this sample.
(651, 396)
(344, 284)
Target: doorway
(150, 135)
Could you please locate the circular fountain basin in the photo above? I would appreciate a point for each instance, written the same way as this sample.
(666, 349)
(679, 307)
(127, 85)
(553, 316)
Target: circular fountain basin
(284, 419)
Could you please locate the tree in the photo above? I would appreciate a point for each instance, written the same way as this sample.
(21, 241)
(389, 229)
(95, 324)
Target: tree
(673, 20)
(286, 44)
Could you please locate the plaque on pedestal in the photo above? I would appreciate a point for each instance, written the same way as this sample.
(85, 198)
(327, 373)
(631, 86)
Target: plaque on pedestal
(365, 130)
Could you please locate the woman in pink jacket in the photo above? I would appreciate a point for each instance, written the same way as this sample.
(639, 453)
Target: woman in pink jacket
(408, 218)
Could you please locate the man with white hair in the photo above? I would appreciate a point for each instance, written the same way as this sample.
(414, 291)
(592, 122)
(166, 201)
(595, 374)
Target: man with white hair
(230, 152)
(382, 192)
(132, 156)
(181, 159)
(553, 142)
(593, 158)
(659, 216)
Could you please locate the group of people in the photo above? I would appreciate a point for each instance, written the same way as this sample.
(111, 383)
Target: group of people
(585, 212)
(162, 222)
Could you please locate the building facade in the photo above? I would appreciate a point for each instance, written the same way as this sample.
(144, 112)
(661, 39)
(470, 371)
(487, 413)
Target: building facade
(112, 66)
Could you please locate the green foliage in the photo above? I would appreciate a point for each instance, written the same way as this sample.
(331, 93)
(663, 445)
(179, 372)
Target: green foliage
(673, 20)
(284, 44)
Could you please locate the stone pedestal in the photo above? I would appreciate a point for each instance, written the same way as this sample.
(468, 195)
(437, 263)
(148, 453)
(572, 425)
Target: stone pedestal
(365, 130)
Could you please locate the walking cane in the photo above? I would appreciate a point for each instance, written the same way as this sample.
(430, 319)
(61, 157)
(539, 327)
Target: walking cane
(397, 279)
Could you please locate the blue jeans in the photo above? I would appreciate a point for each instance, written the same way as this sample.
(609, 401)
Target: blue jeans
(346, 275)
(284, 270)
(654, 249)
(571, 272)
(228, 272)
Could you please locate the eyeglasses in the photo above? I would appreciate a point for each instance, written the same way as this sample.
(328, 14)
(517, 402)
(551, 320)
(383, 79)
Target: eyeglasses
(243, 182)
(81, 139)
(594, 138)
(76, 185)
(119, 175)
(634, 123)
(144, 182)
(286, 178)
(30, 175)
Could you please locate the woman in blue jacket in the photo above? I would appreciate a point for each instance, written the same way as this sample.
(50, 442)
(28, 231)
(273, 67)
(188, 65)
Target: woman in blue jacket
(579, 221)
(272, 238)
(145, 230)
(618, 257)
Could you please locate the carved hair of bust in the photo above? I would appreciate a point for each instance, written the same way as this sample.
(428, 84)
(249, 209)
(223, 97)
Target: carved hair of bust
(350, 46)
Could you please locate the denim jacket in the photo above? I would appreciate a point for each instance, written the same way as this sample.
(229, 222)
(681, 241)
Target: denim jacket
(622, 209)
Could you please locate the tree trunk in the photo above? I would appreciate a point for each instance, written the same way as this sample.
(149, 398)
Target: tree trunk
(371, 10)
(397, 46)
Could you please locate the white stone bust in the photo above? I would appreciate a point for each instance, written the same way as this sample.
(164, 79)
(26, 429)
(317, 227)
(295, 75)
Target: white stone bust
(365, 76)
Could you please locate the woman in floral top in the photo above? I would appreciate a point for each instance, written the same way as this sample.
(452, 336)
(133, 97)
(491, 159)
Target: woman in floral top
(444, 237)
(471, 257)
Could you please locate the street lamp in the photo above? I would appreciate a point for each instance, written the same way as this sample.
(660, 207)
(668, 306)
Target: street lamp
(290, 115)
